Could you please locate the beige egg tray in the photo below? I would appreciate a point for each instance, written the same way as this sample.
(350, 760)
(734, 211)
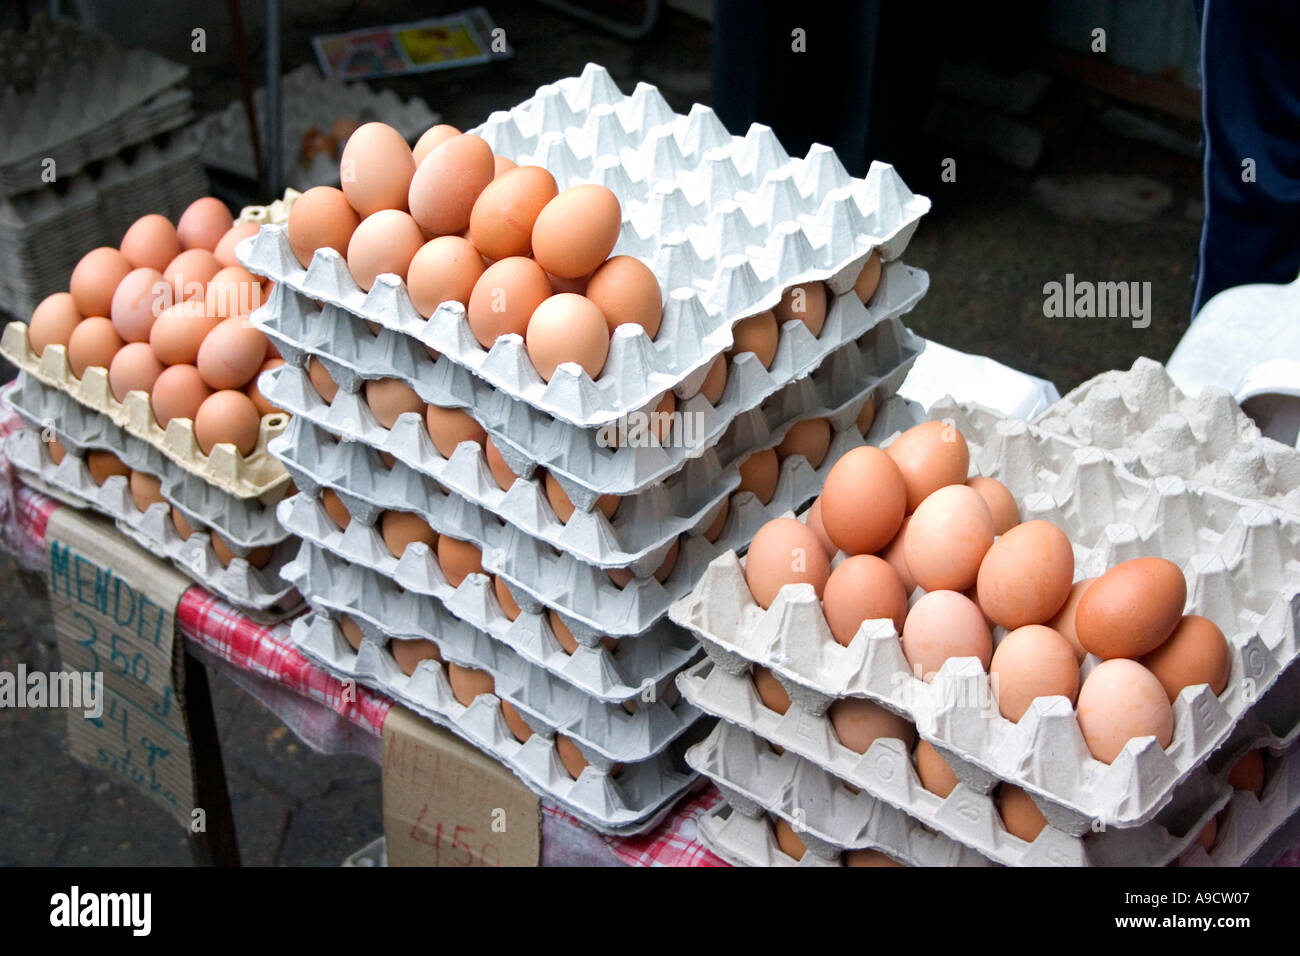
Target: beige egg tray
(235, 474)
(1242, 562)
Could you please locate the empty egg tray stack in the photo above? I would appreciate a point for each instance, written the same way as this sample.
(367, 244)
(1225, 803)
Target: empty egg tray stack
(90, 145)
(726, 223)
(1241, 557)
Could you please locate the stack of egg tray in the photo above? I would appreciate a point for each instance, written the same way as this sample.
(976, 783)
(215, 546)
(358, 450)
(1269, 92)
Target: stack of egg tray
(90, 145)
(1241, 557)
(726, 223)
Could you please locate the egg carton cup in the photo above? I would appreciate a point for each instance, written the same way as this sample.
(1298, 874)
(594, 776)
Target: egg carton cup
(240, 476)
(1241, 562)
(632, 802)
(1205, 439)
(68, 94)
(1254, 830)
(412, 597)
(967, 816)
(726, 224)
(309, 100)
(580, 457)
(244, 522)
(827, 816)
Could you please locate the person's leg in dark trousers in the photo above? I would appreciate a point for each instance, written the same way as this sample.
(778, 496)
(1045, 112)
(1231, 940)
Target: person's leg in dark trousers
(1250, 75)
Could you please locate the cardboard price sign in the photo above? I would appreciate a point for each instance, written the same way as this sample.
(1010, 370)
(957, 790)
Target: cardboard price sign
(114, 612)
(447, 804)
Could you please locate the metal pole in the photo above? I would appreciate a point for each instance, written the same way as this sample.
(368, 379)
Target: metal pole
(274, 162)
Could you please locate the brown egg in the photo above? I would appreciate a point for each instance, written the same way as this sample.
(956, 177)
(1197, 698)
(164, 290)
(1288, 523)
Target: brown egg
(626, 291)
(233, 292)
(1063, 622)
(409, 653)
(943, 625)
(203, 223)
(947, 538)
(714, 530)
(225, 250)
(444, 270)
(448, 427)
(1248, 772)
(320, 379)
(563, 507)
(505, 297)
(321, 218)
(1020, 815)
(863, 501)
(770, 691)
(227, 416)
(501, 473)
(567, 328)
(868, 858)
(335, 508)
(387, 460)
(757, 334)
(867, 415)
(390, 398)
(759, 474)
(570, 756)
(458, 559)
(810, 438)
(715, 380)
(1025, 577)
(1208, 835)
(893, 553)
(1196, 653)
(814, 521)
(563, 635)
(516, 724)
(785, 551)
(351, 631)
(935, 773)
(146, 489)
(95, 279)
(52, 322)
(103, 465)
(467, 683)
(623, 577)
(257, 557)
(660, 426)
(1132, 608)
(264, 407)
(576, 231)
(930, 455)
(1121, 700)
(385, 242)
(448, 182)
(92, 344)
(231, 354)
(402, 528)
(501, 222)
(190, 272)
(179, 331)
(55, 449)
(181, 524)
(807, 303)
(859, 723)
(140, 297)
(501, 166)
(863, 588)
(509, 606)
(1002, 506)
(1031, 662)
(431, 139)
(788, 840)
(133, 368)
(868, 279)
(151, 242)
(375, 169)
(178, 393)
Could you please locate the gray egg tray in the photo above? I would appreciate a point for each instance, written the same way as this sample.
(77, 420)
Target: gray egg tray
(352, 355)
(1205, 438)
(1242, 562)
(413, 599)
(1254, 830)
(244, 522)
(967, 816)
(726, 224)
(630, 803)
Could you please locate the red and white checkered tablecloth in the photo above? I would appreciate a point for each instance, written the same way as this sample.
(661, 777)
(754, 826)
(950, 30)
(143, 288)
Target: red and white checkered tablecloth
(316, 707)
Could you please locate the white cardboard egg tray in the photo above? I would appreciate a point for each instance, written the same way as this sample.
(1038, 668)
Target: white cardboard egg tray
(358, 562)
(582, 593)
(1241, 562)
(239, 476)
(1205, 438)
(726, 223)
(308, 99)
(967, 815)
(244, 522)
(631, 802)
(877, 358)
(69, 94)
